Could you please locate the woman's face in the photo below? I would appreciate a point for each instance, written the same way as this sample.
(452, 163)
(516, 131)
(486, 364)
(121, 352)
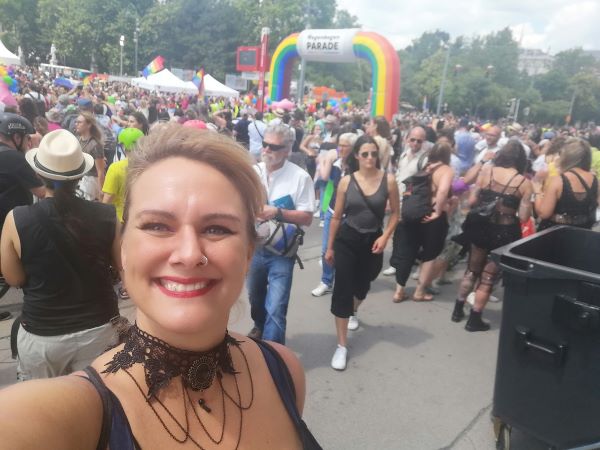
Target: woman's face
(367, 156)
(317, 130)
(133, 123)
(81, 125)
(371, 128)
(180, 212)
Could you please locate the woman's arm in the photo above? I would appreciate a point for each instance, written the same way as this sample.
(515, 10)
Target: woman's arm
(305, 143)
(100, 164)
(482, 180)
(525, 205)
(63, 413)
(545, 201)
(326, 164)
(10, 249)
(394, 202)
(338, 212)
(444, 182)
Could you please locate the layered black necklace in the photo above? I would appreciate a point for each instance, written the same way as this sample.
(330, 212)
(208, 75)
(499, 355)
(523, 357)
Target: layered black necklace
(197, 371)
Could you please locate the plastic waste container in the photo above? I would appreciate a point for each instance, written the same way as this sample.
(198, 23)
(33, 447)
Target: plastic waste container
(548, 368)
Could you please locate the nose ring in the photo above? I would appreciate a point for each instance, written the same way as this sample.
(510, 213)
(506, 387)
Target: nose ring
(204, 260)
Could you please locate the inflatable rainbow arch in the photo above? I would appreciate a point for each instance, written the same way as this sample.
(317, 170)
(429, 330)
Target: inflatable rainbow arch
(385, 66)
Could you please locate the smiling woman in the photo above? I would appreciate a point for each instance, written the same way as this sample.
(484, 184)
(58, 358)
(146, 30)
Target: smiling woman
(180, 377)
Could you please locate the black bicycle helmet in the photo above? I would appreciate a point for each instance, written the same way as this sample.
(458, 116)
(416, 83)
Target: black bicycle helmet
(14, 124)
(11, 123)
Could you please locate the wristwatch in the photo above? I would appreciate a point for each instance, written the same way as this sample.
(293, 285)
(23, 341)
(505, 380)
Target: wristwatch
(279, 215)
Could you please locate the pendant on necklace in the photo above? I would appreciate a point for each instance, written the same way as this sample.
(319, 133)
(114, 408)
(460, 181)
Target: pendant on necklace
(203, 405)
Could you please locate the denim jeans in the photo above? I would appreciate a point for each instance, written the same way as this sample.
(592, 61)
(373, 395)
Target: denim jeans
(269, 284)
(328, 272)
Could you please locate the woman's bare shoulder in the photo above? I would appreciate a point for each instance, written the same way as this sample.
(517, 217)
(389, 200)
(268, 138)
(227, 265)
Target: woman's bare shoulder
(65, 411)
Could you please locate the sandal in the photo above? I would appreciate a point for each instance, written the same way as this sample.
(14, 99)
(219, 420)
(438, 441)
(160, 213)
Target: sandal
(423, 298)
(401, 299)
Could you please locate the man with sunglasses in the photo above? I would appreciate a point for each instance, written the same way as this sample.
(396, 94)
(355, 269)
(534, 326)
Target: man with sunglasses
(290, 199)
(411, 161)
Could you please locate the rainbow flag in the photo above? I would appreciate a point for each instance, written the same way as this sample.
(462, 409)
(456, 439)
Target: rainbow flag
(88, 79)
(198, 80)
(155, 66)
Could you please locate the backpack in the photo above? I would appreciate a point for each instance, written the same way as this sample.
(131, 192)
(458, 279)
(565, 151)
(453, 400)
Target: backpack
(416, 200)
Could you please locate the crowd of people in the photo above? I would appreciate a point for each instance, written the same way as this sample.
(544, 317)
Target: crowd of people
(178, 202)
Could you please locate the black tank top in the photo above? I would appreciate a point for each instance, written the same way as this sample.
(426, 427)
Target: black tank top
(65, 291)
(577, 204)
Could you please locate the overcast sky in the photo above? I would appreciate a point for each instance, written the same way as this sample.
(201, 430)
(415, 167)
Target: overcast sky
(545, 24)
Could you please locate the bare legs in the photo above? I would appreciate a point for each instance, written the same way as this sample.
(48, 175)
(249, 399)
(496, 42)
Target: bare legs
(425, 278)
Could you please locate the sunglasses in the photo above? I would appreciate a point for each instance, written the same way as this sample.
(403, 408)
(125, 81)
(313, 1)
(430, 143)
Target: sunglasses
(373, 154)
(418, 141)
(273, 147)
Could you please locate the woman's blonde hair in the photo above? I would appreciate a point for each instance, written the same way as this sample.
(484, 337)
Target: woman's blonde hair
(575, 153)
(216, 150)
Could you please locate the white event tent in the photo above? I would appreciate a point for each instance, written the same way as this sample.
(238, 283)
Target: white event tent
(165, 81)
(214, 88)
(7, 57)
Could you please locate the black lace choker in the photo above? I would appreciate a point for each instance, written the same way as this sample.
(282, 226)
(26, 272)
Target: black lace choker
(163, 362)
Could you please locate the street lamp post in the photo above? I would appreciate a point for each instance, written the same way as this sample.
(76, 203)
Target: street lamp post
(122, 44)
(444, 73)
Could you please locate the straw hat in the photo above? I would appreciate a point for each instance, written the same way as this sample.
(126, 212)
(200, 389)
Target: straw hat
(59, 157)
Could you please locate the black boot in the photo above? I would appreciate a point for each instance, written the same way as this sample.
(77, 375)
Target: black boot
(459, 313)
(475, 323)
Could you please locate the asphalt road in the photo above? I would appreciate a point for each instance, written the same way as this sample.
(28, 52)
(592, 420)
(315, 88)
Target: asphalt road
(415, 380)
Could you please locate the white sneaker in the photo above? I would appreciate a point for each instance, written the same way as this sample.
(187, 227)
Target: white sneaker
(471, 298)
(321, 224)
(389, 271)
(320, 290)
(317, 213)
(338, 362)
(353, 323)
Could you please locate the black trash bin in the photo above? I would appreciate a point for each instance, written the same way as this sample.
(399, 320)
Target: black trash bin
(548, 368)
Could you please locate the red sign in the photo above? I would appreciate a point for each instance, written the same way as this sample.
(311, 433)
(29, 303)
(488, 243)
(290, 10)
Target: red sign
(248, 59)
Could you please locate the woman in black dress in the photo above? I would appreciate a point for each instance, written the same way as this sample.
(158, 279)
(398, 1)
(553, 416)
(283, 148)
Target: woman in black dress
(500, 200)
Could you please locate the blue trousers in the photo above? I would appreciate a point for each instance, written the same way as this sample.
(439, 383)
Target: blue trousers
(269, 283)
(328, 273)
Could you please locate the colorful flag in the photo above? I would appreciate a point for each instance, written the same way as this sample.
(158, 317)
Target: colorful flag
(155, 66)
(198, 80)
(88, 79)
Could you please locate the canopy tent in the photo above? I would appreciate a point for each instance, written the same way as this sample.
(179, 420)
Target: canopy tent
(165, 81)
(214, 88)
(7, 57)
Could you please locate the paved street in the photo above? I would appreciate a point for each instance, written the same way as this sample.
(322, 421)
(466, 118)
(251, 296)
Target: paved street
(415, 380)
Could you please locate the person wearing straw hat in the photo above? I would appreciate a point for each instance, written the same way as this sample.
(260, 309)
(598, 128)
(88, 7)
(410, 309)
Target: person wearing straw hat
(59, 251)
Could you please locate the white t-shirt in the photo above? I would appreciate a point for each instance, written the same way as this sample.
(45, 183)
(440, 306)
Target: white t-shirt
(256, 132)
(288, 188)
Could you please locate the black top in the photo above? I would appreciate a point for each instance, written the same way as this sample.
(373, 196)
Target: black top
(16, 179)
(362, 216)
(241, 130)
(577, 203)
(66, 291)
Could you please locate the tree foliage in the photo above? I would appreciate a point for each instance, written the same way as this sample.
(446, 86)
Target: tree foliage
(482, 75)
